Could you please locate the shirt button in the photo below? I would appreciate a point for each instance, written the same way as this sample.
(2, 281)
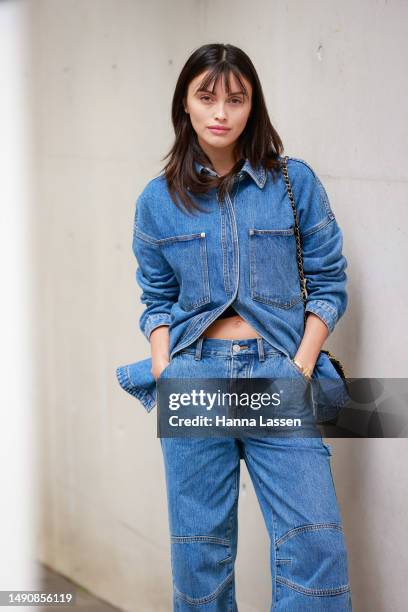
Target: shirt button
(236, 348)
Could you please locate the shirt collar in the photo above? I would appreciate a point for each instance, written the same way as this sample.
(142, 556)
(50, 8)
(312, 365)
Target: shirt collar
(258, 174)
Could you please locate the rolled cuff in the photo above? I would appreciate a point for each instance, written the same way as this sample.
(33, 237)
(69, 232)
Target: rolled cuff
(324, 311)
(155, 320)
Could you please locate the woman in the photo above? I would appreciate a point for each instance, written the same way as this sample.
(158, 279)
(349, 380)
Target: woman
(214, 240)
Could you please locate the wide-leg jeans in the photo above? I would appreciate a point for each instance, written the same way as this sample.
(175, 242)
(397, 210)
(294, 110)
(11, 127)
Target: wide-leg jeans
(293, 482)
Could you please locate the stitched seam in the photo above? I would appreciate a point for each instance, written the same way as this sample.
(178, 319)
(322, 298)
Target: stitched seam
(324, 198)
(204, 267)
(194, 305)
(321, 304)
(274, 232)
(206, 297)
(321, 225)
(180, 238)
(207, 353)
(274, 528)
(207, 598)
(320, 310)
(192, 324)
(259, 297)
(256, 295)
(122, 374)
(151, 323)
(227, 280)
(308, 591)
(201, 538)
(304, 528)
(226, 560)
(153, 318)
(145, 237)
(322, 192)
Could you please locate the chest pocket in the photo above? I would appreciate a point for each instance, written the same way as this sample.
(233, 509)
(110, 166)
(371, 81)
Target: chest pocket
(273, 270)
(187, 255)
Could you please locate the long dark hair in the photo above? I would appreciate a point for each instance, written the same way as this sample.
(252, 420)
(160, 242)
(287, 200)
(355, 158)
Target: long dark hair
(259, 142)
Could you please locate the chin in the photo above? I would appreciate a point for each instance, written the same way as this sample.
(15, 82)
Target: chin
(216, 142)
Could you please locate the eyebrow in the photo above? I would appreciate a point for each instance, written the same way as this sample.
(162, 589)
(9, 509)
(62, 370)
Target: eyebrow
(235, 93)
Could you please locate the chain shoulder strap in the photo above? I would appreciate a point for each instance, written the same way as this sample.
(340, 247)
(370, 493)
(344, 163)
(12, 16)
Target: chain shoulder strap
(336, 363)
(297, 232)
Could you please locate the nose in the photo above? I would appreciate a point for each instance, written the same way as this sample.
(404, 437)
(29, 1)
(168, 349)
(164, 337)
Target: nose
(220, 111)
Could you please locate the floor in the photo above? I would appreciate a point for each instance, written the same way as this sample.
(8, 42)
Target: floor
(53, 582)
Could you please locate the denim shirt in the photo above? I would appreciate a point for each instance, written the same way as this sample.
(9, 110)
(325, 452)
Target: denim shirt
(241, 251)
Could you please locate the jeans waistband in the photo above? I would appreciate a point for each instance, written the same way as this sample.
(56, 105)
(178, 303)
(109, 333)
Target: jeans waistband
(231, 348)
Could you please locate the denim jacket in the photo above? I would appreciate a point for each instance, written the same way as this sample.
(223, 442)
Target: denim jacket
(242, 251)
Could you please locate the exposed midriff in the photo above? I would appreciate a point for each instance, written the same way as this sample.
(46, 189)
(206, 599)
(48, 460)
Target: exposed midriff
(230, 326)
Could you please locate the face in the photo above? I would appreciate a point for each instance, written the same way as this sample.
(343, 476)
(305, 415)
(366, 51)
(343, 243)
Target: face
(210, 110)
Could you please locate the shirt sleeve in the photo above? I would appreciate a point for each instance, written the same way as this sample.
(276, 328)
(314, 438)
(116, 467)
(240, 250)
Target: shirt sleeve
(154, 275)
(324, 263)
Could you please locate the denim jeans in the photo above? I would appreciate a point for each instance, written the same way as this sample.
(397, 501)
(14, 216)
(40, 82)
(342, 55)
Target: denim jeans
(293, 482)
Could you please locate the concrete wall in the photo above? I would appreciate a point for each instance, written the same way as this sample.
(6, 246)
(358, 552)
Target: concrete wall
(17, 420)
(104, 73)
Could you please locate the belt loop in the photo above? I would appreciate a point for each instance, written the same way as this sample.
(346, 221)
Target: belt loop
(261, 351)
(199, 348)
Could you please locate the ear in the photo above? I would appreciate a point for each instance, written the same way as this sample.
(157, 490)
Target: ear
(185, 106)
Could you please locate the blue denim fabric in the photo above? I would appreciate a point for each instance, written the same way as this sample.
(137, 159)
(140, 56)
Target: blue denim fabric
(293, 482)
(242, 251)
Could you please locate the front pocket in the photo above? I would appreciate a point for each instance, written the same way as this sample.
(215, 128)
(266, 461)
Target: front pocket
(187, 255)
(298, 371)
(164, 371)
(273, 269)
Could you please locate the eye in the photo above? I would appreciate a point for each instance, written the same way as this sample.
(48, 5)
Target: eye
(205, 98)
(236, 100)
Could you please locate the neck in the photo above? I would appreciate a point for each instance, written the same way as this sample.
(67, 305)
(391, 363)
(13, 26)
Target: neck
(222, 160)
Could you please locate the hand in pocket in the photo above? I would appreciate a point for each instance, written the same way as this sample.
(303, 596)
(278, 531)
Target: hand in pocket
(159, 367)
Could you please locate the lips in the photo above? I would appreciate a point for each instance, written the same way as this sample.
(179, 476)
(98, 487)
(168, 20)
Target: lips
(218, 130)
